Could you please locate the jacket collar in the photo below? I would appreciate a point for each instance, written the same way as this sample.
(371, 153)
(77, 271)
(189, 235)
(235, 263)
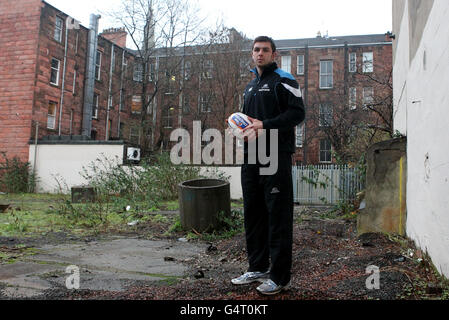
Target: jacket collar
(269, 69)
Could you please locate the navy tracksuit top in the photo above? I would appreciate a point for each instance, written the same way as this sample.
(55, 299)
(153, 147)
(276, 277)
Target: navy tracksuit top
(275, 98)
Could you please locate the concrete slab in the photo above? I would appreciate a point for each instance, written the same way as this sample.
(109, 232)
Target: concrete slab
(103, 265)
(130, 255)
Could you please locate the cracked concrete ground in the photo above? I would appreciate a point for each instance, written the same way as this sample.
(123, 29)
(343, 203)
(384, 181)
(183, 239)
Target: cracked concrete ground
(108, 265)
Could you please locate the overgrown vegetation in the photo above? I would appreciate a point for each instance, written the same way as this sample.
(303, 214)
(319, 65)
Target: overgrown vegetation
(154, 180)
(126, 197)
(15, 175)
(348, 204)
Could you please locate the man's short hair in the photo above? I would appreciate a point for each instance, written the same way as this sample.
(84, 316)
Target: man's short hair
(265, 39)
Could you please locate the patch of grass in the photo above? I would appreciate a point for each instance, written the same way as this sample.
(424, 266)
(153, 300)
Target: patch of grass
(39, 214)
(170, 205)
(11, 255)
(158, 218)
(236, 204)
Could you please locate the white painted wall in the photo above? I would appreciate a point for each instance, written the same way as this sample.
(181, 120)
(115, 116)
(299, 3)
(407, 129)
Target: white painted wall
(233, 173)
(64, 162)
(400, 72)
(421, 111)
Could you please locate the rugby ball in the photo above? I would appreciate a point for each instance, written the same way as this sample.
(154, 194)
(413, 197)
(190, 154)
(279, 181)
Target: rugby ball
(238, 120)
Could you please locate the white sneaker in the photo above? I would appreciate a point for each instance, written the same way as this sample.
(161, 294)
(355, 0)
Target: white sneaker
(270, 288)
(250, 277)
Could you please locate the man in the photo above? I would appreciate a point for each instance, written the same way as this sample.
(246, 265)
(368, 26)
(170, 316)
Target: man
(271, 101)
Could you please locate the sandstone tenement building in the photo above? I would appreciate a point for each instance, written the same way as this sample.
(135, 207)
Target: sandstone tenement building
(44, 71)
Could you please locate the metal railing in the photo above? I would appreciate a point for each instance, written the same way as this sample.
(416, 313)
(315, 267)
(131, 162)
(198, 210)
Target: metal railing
(326, 184)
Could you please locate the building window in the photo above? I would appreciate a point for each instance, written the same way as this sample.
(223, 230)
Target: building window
(353, 62)
(76, 42)
(326, 74)
(58, 29)
(168, 117)
(187, 70)
(136, 106)
(326, 115)
(95, 107)
(368, 96)
(368, 62)
(286, 63)
(205, 104)
(300, 65)
(125, 67)
(300, 135)
(109, 129)
(122, 100)
(244, 67)
(51, 115)
(352, 98)
(98, 65)
(134, 135)
(54, 75)
(185, 105)
(138, 72)
(325, 151)
(152, 73)
(120, 130)
(208, 68)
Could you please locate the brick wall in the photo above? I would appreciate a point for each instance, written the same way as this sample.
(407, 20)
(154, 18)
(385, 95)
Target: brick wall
(342, 79)
(19, 29)
(27, 34)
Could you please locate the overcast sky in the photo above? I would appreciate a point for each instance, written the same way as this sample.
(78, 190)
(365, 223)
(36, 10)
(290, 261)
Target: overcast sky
(280, 19)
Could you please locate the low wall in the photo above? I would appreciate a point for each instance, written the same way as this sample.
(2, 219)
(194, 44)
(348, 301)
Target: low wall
(58, 165)
(62, 162)
(233, 175)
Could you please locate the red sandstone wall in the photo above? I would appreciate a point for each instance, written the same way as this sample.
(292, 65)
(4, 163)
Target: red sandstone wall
(19, 30)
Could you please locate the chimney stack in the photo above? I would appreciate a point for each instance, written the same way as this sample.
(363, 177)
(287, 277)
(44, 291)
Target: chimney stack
(115, 35)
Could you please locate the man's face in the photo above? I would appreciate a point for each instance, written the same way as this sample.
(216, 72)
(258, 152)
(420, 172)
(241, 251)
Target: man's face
(263, 55)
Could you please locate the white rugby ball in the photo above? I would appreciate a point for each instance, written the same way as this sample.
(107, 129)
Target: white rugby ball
(238, 120)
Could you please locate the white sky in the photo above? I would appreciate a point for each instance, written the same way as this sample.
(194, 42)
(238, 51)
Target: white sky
(280, 19)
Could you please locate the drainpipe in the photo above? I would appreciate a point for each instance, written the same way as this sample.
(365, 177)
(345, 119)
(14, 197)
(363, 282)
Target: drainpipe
(306, 102)
(156, 67)
(63, 75)
(90, 75)
(35, 148)
(121, 92)
(109, 92)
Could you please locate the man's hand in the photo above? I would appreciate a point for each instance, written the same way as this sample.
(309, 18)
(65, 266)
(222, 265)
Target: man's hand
(251, 132)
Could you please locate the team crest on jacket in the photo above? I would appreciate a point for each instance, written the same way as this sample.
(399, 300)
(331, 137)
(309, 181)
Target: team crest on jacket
(265, 88)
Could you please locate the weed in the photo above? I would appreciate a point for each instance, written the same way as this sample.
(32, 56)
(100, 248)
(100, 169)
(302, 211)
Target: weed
(176, 226)
(16, 175)
(228, 226)
(16, 222)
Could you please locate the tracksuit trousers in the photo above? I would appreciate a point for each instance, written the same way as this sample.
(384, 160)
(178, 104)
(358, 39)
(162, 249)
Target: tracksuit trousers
(268, 216)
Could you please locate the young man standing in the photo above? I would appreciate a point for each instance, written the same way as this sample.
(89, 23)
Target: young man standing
(272, 101)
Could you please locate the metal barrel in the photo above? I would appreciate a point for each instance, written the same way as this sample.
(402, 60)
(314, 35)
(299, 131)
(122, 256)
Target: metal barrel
(203, 203)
